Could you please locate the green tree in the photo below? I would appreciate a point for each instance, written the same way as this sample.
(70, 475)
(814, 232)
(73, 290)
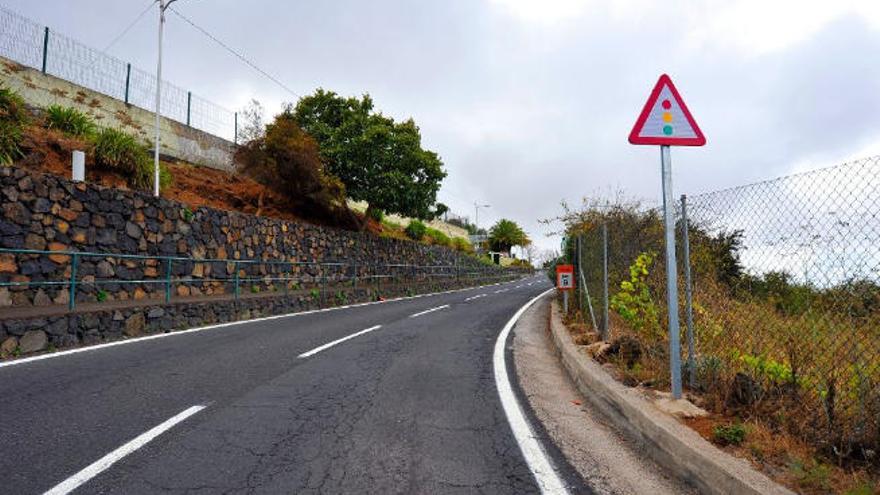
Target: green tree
(505, 234)
(380, 161)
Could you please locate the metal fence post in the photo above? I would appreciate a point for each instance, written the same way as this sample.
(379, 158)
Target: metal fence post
(168, 281)
(580, 272)
(74, 261)
(605, 331)
(127, 81)
(354, 282)
(688, 293)
(189, 97)
(237, 286)
(323, 285)
(45, 47)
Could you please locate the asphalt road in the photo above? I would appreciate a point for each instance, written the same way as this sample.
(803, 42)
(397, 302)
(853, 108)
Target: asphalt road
(408, 406)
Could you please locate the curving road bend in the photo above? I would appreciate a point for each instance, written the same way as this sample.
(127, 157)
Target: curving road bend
(398, 397)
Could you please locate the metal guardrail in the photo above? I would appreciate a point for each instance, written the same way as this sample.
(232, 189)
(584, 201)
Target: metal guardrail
(240, 273)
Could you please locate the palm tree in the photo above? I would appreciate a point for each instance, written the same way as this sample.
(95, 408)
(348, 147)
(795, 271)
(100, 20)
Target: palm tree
(505, 234)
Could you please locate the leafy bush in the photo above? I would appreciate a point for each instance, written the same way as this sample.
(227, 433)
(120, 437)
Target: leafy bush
(462, 244)
(437, 237)
(13, 118)
(376, 214)
(288, 161)
(70, 121)
(811, 474)
(416, 230)
(120, 152)
(733, 434)
(634, 302)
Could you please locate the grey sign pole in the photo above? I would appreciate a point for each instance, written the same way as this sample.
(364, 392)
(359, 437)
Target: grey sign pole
(671, 273)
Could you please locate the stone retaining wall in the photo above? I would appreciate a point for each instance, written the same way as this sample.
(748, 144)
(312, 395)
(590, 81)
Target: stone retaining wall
(22, 336)
(45, 212)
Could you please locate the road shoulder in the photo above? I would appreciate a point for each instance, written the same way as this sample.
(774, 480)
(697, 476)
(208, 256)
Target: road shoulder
(600, 455)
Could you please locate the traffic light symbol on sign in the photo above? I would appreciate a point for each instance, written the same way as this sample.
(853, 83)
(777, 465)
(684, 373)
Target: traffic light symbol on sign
(666, 120)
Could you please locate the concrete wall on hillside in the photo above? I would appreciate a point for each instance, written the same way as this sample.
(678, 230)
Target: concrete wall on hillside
(46, 212)
(177, 140)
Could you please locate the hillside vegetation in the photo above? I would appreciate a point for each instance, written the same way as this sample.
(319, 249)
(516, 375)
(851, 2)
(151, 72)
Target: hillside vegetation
(281, 169)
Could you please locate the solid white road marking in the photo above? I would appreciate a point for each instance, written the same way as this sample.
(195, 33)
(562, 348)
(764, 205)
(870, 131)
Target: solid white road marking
(438, 308)
(337, 341)
(475, 297)
(545, 475)
(41, 357)
(108, 460)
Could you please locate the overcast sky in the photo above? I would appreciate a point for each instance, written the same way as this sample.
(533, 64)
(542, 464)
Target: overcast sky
(530, 102)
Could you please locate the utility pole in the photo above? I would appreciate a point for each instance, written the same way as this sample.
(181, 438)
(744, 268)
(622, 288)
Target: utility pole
(163, 4)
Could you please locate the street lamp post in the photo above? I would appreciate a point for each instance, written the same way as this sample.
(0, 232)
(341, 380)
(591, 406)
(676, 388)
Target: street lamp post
(477, 207)
(163, 4)
(477, 215)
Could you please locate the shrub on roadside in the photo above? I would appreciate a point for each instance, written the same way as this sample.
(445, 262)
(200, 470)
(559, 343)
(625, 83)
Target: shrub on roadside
(120, 152)
(376, 214)
(13, 118)
(286, 159)
(733, 434)
(462, 244)
(416, 230)
(70, 121)
(438, 238)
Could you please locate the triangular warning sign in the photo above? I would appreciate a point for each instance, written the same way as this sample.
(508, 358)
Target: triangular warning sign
(665, 120)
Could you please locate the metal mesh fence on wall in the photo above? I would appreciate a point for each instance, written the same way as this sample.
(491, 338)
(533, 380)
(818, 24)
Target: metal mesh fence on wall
(786, 298)
(31, 44)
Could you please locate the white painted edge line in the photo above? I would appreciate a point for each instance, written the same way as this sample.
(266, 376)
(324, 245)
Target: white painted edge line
(337, 341)
(420, 313)
(175, 333)
(547, 478)
(108, 460)
(475, 297)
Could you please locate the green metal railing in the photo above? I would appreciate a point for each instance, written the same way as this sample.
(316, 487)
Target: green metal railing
(311, 276)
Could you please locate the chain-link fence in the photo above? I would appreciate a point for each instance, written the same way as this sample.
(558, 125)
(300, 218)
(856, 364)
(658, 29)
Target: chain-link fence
(31, 44)
(785, 299)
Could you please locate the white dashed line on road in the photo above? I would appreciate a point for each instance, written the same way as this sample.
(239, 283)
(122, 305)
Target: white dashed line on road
(475, 297)
(438, 308)
(501, 290)
(97, 467)
(337, 341)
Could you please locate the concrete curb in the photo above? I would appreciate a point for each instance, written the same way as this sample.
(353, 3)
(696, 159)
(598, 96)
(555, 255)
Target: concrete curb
(672, 445)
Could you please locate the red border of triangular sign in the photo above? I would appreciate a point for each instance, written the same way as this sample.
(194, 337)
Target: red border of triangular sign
(634, 138)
